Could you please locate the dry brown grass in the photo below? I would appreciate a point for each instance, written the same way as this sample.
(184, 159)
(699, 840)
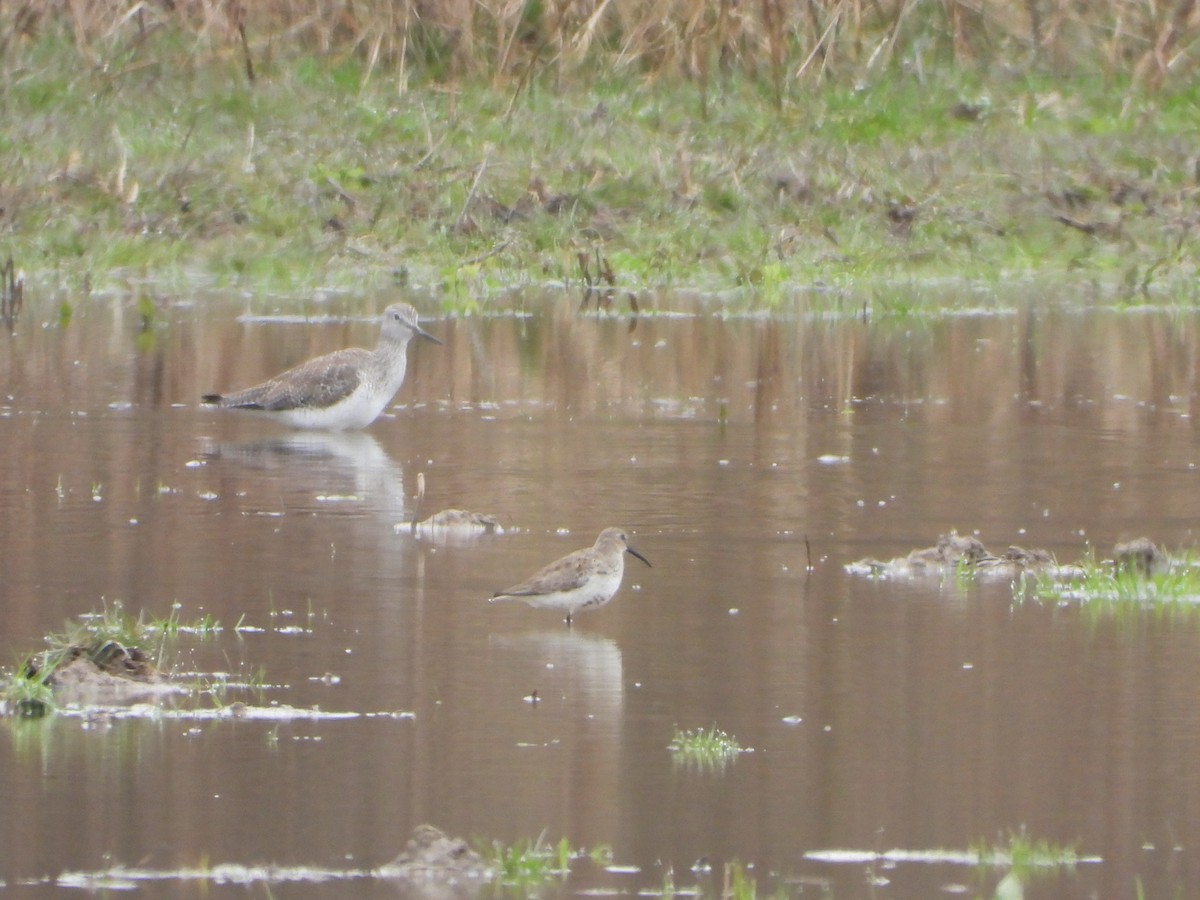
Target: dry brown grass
(786, 43)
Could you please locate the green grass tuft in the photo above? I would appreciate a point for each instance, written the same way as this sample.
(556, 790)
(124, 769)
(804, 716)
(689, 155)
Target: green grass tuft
(27, 695)
(709, 749)
(1103, 586)
(526, 863)
(1024, 854)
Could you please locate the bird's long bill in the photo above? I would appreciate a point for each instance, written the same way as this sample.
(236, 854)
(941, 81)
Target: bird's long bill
(629, 549)
(421, 332)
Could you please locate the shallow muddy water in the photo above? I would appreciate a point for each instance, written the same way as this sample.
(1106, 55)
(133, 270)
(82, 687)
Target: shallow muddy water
(918, 716)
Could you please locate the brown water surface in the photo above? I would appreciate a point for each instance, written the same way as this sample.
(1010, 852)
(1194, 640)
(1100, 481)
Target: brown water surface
(924, 715)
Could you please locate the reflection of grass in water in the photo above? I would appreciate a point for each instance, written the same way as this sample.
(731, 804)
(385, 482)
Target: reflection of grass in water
(710, 749)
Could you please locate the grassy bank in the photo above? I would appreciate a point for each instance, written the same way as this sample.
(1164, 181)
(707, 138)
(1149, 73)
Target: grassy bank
(277, 151)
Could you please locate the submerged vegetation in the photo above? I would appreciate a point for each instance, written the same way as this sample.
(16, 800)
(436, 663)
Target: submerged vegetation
(764, 148)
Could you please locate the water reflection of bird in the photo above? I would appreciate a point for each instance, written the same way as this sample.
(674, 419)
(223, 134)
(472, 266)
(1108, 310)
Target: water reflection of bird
(349, 466)
(344, 389)
(583, 579)
(584, 668)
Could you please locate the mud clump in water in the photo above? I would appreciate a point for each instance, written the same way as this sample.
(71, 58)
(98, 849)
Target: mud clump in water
(950, 550)
(104, 672)
(462, 519)
(433, 857)
(954, 552)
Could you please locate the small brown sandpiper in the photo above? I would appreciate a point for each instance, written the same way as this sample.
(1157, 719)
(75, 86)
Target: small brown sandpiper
(583, 579)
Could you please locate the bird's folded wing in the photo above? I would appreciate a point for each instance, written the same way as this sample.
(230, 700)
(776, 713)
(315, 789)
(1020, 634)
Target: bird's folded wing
(566, 574)
(314, 385)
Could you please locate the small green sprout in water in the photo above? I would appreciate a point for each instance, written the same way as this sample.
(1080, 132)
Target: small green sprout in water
(741, 886)
(529, 862)
(711, 749)
(738, 885)
(964, 574)
(111, 624)
(257, 680)
(27, 695)
(1025, 858)
(115, 624)
(668, 883)
(1024, 855)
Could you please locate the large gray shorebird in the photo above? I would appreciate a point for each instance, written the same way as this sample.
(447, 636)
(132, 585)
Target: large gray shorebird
(340, 390)
(580, 580)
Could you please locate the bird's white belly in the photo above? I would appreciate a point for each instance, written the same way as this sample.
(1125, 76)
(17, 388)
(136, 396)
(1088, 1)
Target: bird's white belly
(357, 411)
(598, 590)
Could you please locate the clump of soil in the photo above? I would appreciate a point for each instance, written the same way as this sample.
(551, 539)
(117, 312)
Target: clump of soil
(101, 672)
(103, 657)
(464, 519)
(432, 855)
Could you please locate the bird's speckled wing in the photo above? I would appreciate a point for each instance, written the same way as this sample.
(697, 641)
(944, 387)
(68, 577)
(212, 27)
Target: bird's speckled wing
(566, 574)
(316, 384)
